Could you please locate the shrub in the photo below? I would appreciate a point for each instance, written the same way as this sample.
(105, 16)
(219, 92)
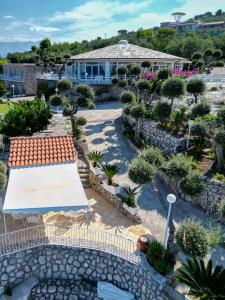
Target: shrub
(143, 85)
(82, 102)
(221, 117)
(85, 91)
(149, 114)
(200, 109)
(55, 100)
(179, 166)
(221, 209)
(196, 87)
(164, 74)
(115, 81)
(159, 257)
(192, 238)
(199, 131)
(220, 137)
(127, 109)
(137, 111)
(197, 56)
(3, 167)
(122, 70)
(153, 156)
(2, 181)
(64, 85)
(214, 234)
(135, 69)
(123, 83)
(141, 172)
(91, 105)
(67, 112)
(220, 177)
(162, 111)
(191, 185)
(81, 121)
(127, 97)
(178, 118)
(146, 64)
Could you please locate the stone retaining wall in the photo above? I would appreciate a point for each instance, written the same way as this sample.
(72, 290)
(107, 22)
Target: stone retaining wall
(113, 199)
(155, 135)
(214, 191)
(66, 263)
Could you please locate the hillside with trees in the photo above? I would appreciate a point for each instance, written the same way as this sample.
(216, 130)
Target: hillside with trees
(167, 40)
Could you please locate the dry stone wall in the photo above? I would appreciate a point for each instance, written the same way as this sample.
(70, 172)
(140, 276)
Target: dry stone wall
(155, 135)
(66, 263)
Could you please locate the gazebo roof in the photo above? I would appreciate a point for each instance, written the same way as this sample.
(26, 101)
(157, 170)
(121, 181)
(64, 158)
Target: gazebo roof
(125, 51)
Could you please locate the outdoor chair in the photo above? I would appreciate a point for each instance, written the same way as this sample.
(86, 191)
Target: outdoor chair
(18, 218)
(33, 219)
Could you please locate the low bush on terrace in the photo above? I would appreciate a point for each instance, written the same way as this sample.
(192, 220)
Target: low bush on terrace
(200, 109)
(153, 156)
(192, 238)
(137, 111)
(179, 166)
(141, 172)
(191, 185)
(195, 240)
(161, 259)
(162, 111)
(127, 97)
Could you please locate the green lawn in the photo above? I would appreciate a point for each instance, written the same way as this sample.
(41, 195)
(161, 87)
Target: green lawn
(4, 108)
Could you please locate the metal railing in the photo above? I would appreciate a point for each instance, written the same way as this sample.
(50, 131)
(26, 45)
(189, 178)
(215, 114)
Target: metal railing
(55, 77)
(11, 77)
(69, 236)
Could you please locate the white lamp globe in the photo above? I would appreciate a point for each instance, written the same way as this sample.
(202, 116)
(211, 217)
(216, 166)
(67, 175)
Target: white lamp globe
(171, 198)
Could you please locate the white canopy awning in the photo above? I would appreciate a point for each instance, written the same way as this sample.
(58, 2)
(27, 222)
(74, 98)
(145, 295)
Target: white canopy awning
(40, 189)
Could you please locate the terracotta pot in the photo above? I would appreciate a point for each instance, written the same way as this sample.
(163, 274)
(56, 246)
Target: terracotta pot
(142, 243)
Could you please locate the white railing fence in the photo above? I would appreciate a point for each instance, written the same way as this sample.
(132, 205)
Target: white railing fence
(69, 236)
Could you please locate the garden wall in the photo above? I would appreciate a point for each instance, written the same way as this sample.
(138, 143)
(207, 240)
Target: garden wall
(65, 263)
(113, 199)
(153, 134)
(214, 191)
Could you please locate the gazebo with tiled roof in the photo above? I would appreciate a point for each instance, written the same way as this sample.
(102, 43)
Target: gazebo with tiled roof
(43, 176)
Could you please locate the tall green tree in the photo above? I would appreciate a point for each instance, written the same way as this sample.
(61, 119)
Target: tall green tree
(25, 118)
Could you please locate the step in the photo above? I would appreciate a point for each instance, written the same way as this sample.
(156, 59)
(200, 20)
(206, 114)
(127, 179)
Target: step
(84, 176)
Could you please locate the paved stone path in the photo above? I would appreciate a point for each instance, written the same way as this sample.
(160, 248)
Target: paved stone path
(104, 133)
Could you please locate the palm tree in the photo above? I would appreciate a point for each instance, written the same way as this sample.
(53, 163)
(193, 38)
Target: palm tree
(95, 156)
(110, 171)
(204, 282)
(130, 195)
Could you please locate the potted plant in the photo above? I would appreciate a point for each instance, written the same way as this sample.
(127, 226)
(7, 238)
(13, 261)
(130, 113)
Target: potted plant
(95, 157)
(129, 202)
(109, 185)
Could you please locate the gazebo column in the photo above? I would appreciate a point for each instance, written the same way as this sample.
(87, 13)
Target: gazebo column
(78, 70)
(107, 70)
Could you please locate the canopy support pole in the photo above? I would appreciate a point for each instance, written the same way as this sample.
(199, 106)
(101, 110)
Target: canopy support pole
(4, 220)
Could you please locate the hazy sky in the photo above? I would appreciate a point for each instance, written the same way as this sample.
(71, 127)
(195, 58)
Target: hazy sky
(70, 20)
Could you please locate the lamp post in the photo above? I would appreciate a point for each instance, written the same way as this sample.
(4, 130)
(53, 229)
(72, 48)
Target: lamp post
(171, 199)
(190, 123)
(13, 90)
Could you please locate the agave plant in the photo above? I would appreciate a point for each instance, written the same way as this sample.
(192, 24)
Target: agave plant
(204, 282)
(130, 195)
(110, 171)
(95, 156)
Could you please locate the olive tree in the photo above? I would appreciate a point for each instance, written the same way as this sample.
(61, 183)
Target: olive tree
(196, 87)
(173, 88)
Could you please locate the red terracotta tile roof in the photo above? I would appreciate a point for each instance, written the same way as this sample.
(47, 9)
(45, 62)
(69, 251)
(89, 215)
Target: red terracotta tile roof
(27, 151)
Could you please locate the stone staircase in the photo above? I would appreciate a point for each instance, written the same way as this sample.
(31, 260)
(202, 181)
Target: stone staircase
(83, 168)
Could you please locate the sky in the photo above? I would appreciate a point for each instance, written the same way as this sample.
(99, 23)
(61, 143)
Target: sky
(77, 20)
